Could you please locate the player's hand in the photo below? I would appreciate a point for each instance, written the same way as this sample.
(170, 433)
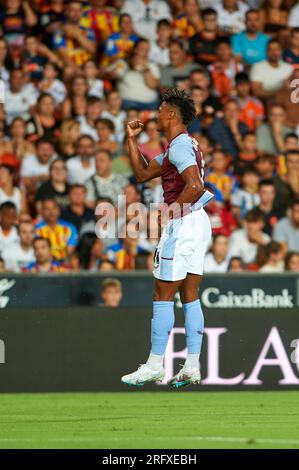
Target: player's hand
(134, 128)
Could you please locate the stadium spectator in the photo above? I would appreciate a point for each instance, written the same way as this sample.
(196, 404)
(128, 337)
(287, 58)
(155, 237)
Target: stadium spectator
(104, 183)
(251, 108)
(44, 259)
(75, 104)
(10, 192)
(111, 293)
(16, 18)
(97, 254)
(272, 215)
(51, 85)
(236, 265)
(19, 97)
(82, 167)
(100, 19)
(159, 47)
(274, 16)
(219, 176)
(18, 145)
(247, 157)
(292, 262)
(139, 84)
(95, 84)
(107, 266)
(286, 231)
(74, 42)
(94, 109)
(270, 135)
(177, 73)
(221, 218)
(8, 231)
(228, 131)
(245, 198)
(189, 22)
(62, 235)
(250, 46)
(35, 57)
(231, 15)
(291, 54)
(203, 45)
(114, 113)
(106, 137)
(35, 168)
(20, 254)
(244, 242)
(291, 177)
(224, 70)
(145, 15)
(6, 62)
(274, 68)
(154, 145)
(124, 253)
(56, 187)
(216, 261)
(76, 212)
(266, 167)
(118, 46)
(43, 122)
(69, 134)
(273, 262)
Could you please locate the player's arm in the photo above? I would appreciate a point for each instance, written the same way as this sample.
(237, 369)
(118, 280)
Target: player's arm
(193, 188)
(142, 170)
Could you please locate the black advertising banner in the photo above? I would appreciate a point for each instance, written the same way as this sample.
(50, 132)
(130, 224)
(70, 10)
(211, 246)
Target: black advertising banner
(89, 349)
(223, 291)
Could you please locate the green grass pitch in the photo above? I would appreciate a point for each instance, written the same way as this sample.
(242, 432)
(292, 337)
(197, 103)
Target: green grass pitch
(150, 420)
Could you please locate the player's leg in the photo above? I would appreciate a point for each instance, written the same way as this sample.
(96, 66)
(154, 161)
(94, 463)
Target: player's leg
(194, 326)
(161, 326)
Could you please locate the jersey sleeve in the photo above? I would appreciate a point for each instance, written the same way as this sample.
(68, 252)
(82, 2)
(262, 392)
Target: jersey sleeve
(182, 154)
(159, 158)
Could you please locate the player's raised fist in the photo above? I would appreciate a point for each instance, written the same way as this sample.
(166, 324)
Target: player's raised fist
(134, 128)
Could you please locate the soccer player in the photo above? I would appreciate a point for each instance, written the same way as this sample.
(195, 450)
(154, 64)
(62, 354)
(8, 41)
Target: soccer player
(179, 257)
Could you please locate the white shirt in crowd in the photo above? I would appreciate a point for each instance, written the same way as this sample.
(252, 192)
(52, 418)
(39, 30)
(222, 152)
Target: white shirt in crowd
(15, 257)
(57, 90)
(77, 173)
(275, 75)
(145, 16)
(7, 240)
(244, 200)
(159, 55)
(96, 88)
(15, 198)
(118, 121)
(86, 129)
(212, 266)
(294, 17)
(18, 104)
(268, 268)
(231, 22)
(133, 86)
(239, 245)
(31, 166)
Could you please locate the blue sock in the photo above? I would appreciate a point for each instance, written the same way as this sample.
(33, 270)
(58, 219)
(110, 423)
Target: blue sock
(162, 324)
(194, 325)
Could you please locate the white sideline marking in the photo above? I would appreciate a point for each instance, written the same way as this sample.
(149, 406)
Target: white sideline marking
(244, 440)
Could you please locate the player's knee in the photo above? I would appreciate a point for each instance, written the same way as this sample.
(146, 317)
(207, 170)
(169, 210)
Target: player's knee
(160, 296)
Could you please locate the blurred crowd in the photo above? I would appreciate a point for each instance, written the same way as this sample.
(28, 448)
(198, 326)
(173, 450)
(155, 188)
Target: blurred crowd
(74, 72)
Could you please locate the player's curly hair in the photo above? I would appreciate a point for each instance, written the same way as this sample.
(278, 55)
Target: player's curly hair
(183, 102)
